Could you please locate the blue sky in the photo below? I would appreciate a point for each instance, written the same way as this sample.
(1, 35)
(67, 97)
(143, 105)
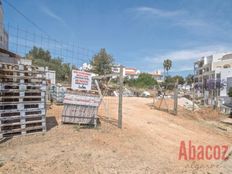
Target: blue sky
(137, 33)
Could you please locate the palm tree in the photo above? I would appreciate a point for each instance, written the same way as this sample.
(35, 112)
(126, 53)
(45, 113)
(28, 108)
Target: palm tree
(167, 65)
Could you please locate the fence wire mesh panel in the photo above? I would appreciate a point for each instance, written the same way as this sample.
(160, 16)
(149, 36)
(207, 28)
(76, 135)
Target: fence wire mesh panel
(108, 110)
(21, 41)
(166, 97)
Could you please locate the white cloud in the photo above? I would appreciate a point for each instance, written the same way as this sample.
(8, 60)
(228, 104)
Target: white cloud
(178, 17)
(188, 54)
(53, 15)
(157, 12)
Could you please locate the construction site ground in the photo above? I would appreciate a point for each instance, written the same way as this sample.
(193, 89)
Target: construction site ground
(148, 143)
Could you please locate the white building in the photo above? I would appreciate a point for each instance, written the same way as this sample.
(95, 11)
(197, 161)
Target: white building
(51, 76)
(86, 67)
(131, 73)
(157, 75)
(217, 67)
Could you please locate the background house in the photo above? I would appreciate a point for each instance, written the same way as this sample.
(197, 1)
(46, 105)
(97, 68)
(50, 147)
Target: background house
(216, 68)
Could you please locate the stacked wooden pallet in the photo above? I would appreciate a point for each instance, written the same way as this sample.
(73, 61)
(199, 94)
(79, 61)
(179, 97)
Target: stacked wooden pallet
(81, 108)
(22, 99)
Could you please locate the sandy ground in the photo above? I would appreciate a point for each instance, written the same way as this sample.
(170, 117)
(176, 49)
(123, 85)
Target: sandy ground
(148, 143)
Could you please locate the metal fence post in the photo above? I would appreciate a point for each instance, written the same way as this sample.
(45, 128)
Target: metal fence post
(120, 97)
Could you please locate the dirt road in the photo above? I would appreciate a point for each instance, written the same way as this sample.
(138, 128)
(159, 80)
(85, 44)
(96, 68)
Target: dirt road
(148, 143)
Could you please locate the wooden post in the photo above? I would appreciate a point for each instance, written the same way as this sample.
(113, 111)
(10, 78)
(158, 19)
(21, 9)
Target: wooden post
(193, 96)
(176, 97)
(120, 97)
(98, 88)
(1, 134)
(106, 107)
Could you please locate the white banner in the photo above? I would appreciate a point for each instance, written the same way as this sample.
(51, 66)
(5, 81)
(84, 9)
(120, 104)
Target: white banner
(81, 80)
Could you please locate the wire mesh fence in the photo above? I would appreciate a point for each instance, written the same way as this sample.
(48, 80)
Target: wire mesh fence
(21, 41)
(166, 97)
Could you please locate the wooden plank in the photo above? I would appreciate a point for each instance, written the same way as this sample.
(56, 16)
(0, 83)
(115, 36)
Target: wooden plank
(21, 77)
(19, 116)
(21, 90)
(24, 103)
(9, 53)
(26, 110)
(19, 123)
(20, 129)
(27, 134)
(4, 97)
(24, 71)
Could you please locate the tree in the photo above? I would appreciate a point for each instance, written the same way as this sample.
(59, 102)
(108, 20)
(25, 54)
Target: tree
(189, 79)
(230, 92)
(179, 78)
(38, 53)
(169, 83)
(102, 62)
(41, 57)
(167, 64)
(144, 80)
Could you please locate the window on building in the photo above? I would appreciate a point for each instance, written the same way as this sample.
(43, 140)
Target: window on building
(226, 66)
(218, 76)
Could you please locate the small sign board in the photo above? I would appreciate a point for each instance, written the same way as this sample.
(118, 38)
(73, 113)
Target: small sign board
(81, 80)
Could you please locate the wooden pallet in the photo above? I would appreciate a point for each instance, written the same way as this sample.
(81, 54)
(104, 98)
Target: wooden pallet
(22, 122)
(21, 67)
(26, 111)
(17, 117)
(23, 86)
(22, 106)
(21, 71)
(22, 99)
(22, 131)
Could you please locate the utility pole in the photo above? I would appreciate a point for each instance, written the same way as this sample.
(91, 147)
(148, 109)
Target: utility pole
(120, 97)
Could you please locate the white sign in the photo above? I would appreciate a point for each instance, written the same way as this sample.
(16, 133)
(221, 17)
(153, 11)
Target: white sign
(81, 80)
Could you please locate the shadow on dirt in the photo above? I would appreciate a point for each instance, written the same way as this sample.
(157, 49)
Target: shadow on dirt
(111, 121)
(4, 139)
(51, 122)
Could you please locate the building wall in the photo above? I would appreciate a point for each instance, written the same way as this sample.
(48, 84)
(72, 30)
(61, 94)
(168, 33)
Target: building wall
(51, 75)
(208, 67)
(3, 34)
(225, 76)
(222, 64)
(131, 73)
